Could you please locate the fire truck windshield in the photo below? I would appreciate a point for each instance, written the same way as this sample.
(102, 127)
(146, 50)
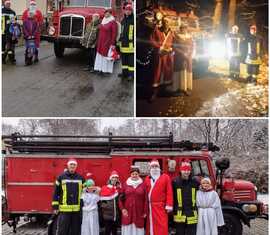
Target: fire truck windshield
(74, 3)
(99, 3)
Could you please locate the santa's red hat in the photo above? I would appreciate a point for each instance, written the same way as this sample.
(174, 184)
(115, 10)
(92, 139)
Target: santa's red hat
(32, 2)
(72, 161)
(129, 7)
(114, 174)
(185, 165)
(154, 163)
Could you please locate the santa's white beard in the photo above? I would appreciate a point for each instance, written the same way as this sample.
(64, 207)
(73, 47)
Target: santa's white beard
(155, 173)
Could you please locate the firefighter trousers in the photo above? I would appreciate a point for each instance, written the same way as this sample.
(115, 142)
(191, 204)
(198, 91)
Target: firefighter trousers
(127, 65)
(185, 229)
(69, 223)
(253, 69)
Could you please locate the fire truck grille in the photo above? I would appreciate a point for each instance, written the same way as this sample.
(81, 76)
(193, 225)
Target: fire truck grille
(77, 26)
(71, 26)
(65, 25)
(243, 195)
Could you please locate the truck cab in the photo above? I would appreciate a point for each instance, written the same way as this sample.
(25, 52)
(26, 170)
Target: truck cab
(70, 17)
(32, 164)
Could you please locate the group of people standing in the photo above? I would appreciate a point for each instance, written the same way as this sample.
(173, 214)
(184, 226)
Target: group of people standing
(139, 206)
(173, 55)
(102, 39)
(12, 31)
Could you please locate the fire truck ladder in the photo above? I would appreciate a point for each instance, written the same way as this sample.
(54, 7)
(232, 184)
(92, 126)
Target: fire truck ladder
(98, 144)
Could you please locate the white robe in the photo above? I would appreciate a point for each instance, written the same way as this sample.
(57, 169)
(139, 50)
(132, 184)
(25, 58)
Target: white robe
(131, 229)
(209, 213)
(90, 223)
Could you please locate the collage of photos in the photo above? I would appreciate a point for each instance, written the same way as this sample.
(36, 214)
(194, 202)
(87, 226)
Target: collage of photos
(135, 117)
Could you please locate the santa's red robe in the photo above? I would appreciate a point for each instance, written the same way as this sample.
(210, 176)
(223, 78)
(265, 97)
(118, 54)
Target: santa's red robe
(164, 62)
(106, 37)
(160, 196)
(37, 17)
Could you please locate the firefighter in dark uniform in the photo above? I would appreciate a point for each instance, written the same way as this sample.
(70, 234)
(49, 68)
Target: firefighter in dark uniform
(127, 43)
(67, 200)
(7, 15)
(185, 213)
(234, 40)
(254, 54)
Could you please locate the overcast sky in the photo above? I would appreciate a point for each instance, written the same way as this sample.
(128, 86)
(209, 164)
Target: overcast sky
(115, 122)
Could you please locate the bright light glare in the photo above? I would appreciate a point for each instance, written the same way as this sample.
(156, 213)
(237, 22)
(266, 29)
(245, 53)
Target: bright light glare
(217, 50)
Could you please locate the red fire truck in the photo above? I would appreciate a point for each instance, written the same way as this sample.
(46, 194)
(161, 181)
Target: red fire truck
(32, 164)
(69, 18)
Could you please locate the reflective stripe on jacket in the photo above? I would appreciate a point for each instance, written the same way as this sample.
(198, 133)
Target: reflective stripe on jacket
(185, 210)
(67, 193)
(126, 41)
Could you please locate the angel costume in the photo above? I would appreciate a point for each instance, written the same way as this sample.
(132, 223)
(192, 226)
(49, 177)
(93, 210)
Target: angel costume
(90, 223)
(210, 213)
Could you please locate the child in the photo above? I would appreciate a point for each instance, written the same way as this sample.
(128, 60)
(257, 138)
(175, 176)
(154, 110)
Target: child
(89, 41)
(30, 28)
(13, 32)
(209, 209)
(90, 197)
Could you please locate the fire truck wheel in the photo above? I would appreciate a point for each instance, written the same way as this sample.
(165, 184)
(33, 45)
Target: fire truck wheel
(232, 225)
(59, 49)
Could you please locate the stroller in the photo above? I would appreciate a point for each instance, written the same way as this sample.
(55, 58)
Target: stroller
(30, 50)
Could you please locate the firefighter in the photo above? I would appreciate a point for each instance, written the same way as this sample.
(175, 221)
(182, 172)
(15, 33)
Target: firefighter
(126, 42)
(254, 54)
(234, 40)
(161, 40)
(67, 200)
(184, 195)
(7, 15)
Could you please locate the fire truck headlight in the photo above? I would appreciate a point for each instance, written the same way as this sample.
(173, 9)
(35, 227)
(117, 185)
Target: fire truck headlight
(217, 50)
(250, 208)
(51, 30)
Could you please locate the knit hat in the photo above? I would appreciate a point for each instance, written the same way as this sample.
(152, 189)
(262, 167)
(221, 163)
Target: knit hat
(89, 183)
(129, 7)
(185, 165)
(154, 163)
(72, 161)
(114, 174)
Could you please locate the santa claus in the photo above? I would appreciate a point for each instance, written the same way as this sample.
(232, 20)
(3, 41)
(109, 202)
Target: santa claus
(160, 196)
(32, 9)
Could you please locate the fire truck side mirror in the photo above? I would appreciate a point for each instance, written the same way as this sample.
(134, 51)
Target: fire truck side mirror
(223, 164)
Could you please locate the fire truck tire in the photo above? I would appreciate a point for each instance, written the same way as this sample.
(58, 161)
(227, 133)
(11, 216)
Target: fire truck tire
(59, 49)
(232, 225)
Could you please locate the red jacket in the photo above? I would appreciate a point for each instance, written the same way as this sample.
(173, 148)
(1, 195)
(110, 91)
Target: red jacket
(135, 201)
(160, 198)
(107, 37)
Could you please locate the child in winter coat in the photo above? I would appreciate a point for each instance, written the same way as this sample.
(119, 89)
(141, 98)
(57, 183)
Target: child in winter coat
(89, 41)
(90, 197)
(30, 29)
(13, 32)
(209, 209)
